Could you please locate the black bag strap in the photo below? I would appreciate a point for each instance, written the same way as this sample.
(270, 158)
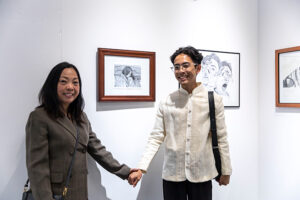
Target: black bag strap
(71, 165)
(65, 190)
(213, 128)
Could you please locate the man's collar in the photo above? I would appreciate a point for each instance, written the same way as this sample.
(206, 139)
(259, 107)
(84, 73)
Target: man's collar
(195, 90)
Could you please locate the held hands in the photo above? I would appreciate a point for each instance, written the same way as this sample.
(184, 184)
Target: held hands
(224, 180)
(134, 176)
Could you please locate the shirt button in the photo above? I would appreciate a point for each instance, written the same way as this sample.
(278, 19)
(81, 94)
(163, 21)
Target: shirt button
(190, 111)
(189, 125)
(188, 139)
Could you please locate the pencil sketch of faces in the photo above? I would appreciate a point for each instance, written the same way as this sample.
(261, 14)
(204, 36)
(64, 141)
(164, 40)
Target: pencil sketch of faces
(293, 79)
(127, 76)
(216, 74)
(210, 67)
(223, 78)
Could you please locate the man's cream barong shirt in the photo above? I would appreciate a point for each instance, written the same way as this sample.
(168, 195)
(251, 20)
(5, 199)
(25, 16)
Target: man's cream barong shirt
(183, 124)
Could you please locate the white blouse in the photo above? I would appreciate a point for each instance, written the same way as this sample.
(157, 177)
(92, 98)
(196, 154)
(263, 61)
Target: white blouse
(183, 124)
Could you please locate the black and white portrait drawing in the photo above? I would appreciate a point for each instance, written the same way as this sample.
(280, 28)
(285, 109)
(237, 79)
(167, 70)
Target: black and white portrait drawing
(293, 79)
(127, 76)
(224, 78)
(220, 73)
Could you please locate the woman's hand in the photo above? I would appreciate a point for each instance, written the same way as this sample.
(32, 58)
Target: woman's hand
(134, 176)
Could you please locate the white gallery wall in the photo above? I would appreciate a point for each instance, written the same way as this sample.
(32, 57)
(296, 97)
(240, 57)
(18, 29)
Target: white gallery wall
(279, 160)
(37, 34)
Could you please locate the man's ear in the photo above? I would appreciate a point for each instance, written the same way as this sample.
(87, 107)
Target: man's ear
(198, 68)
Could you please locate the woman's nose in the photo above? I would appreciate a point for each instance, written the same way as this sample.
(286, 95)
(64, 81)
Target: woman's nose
(70, 86)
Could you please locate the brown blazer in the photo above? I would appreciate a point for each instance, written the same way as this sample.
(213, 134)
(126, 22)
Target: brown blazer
(49, 149)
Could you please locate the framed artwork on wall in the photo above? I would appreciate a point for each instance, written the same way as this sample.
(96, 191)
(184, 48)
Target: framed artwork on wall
(220, 72)
(287, 77)
(126, 75)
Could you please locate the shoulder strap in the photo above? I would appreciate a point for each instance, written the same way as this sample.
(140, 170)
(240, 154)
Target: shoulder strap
(213, 128)
(71, 165)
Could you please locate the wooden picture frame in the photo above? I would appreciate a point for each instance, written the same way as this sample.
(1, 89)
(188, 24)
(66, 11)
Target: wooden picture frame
(126, 75)
(220, 72)
(287, 77)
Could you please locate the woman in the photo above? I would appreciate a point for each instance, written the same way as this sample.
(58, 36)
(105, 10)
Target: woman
(51, 133)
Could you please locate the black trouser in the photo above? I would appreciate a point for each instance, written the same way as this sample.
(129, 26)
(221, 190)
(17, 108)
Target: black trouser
(187, 190)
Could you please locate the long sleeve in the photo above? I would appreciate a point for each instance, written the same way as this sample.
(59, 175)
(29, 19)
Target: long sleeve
(154, 141)
(183, 124)
(37, 157)
(105, 158)
(222, 138)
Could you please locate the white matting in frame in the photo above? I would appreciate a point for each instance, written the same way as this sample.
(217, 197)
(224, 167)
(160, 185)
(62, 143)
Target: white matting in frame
(126, 76)
(220, 72)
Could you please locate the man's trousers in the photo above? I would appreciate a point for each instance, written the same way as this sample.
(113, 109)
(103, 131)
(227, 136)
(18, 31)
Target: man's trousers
(187, 190)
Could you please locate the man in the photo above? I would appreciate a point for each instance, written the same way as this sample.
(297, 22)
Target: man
(183, 124)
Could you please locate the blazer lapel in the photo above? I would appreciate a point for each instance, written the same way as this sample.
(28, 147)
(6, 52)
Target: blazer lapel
(68, 125)
(71, 128)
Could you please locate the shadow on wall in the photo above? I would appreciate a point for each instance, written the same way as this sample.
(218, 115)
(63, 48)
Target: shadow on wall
(108, 106)
(151, 184)
(95, 189)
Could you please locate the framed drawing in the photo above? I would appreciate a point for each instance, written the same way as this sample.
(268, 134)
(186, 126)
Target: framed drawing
(287, 77)
(126, 75)
(220, 72)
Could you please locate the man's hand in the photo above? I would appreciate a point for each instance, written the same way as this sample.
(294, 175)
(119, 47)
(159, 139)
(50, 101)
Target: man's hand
(224, 180)
(134, 176)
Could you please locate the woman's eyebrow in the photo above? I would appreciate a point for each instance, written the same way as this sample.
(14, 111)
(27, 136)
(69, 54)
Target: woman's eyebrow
(65, 77)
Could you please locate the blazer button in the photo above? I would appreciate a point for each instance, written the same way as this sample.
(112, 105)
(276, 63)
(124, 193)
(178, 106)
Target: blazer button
(71, 153)
(83, 150)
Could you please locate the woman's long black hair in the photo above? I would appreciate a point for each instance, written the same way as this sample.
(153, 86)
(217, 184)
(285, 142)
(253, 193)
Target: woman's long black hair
(48, 97)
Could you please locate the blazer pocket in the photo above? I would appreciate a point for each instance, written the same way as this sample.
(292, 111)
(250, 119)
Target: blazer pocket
(56, 177)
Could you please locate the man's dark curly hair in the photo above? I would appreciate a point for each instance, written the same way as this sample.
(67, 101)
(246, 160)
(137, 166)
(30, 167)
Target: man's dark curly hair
(190, 51)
